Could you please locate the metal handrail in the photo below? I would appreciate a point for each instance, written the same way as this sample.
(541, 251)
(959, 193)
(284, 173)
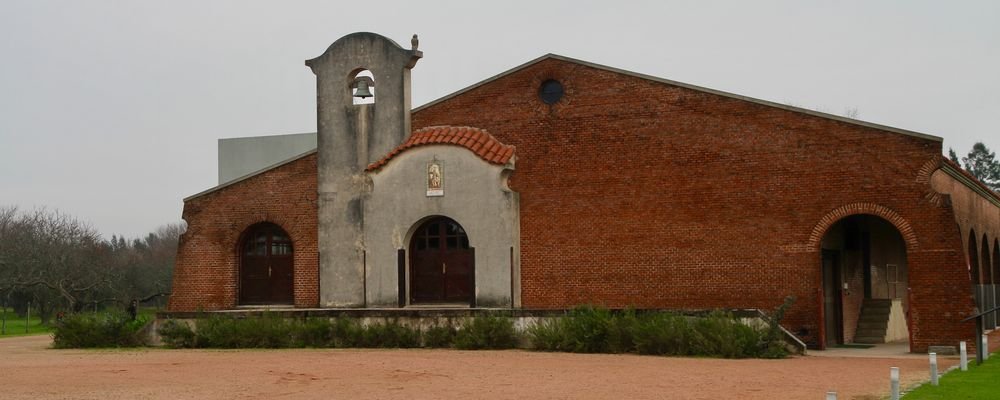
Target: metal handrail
(997, 308)
(980, 351)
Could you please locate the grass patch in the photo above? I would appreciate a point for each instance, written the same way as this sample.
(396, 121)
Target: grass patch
(979, 382)
(15, 325)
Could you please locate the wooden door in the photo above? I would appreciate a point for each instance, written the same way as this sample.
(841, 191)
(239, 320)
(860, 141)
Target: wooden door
(441, 263)
(266, 266)
(832, 315)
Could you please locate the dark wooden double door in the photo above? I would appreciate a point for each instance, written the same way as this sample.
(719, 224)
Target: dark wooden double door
(266, 269)
(442, 264)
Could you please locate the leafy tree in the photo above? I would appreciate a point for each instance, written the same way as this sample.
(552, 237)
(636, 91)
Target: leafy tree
(982, 163)
(952, 156)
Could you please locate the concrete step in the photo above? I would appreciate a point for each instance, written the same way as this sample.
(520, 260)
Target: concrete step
(869, 339)
(871, 332)
(872, 324)
(873, 318)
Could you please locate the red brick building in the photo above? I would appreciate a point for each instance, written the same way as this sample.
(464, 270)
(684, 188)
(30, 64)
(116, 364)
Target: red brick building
(585, 184)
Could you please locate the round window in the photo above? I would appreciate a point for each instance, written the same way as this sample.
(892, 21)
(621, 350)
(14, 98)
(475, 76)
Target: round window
(551, 91)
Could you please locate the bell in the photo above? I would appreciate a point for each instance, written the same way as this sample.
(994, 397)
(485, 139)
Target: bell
(363, 91)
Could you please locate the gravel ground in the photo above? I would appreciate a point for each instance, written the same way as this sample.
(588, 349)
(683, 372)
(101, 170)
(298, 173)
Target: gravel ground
(30, 370)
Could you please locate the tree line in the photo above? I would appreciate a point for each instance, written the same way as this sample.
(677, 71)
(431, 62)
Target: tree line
(981, 163)
(58, 263)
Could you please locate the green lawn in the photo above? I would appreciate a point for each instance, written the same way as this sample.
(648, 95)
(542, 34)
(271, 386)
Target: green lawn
(979, 382)
(15, 325)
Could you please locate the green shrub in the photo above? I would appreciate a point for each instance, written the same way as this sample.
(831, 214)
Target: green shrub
(176, 334)
(720, 334)
(112, 329)
(588, 330)
(486, 332)
(313, 332)
(662, 334)
(774, 346)
(267, 331)
(389, 335)
(439, 336)
(548, 335)
(346, 333)
(621, 333)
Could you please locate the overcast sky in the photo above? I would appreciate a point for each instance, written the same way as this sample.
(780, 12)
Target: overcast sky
(110, 110)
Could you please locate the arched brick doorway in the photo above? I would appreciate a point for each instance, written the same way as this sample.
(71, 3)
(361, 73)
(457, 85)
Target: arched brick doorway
(266, 266)
(864, 282)
(442, 264)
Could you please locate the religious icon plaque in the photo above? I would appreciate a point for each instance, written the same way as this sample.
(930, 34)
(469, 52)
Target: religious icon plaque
(435, 179)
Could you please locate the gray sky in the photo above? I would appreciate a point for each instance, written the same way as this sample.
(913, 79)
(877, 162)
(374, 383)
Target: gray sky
(110, 110)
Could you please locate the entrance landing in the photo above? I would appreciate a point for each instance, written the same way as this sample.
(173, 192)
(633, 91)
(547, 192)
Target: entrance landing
(883, 350)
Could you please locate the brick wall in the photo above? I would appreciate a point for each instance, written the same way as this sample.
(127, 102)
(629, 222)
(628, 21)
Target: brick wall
(641, 193)
(205, 276)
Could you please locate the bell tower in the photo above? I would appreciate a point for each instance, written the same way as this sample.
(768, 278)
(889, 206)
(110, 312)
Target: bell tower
(351, 136)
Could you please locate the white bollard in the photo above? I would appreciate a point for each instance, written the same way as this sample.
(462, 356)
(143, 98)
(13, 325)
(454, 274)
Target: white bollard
(963, 356)
(986, 347)
(934, 374)
(831, 395)
(894, 379)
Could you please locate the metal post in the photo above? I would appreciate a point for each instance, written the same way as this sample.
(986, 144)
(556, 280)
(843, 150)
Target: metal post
(3, 325)
(979, 333)
(831, 395)
(934, 371)
(986, 347)
(894, 383)
(964, 354)
(27, 318)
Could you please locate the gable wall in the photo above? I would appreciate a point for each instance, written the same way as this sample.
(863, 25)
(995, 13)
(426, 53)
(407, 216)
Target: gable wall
(639, 193)
(205, 275)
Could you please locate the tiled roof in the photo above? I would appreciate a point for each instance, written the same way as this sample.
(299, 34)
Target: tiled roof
(477, 140)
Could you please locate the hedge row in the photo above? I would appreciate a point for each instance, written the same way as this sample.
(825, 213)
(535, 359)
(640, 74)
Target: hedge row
(596, 330)
(583, 330)
(269, 331)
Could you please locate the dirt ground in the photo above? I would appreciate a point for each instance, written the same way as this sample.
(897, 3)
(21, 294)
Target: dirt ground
(30, 370)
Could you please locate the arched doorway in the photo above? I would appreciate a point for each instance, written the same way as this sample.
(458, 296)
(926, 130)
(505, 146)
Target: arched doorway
(266, 268)
(865, 290)
(442, 264)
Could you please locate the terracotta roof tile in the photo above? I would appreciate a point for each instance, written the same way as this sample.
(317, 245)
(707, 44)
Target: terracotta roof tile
(477, 140)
